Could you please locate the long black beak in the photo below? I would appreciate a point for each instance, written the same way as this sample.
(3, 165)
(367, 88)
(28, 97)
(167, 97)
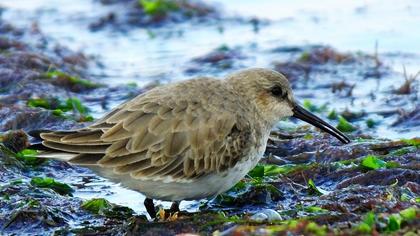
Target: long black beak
(303, 114)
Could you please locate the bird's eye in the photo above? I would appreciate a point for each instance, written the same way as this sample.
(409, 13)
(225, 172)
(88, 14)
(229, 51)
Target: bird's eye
(278, 92)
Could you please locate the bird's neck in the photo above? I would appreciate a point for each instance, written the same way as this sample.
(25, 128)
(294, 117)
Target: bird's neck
(250, 102)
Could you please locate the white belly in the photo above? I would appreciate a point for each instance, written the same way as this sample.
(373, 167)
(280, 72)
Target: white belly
(207, 186)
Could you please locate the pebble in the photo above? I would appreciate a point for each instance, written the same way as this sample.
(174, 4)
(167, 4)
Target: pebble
(268, 215)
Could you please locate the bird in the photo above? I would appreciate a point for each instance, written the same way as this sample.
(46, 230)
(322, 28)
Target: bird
(186, 140)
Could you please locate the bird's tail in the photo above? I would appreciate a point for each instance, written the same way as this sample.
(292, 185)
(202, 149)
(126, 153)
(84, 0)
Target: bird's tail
(50, 146)
(57, 155)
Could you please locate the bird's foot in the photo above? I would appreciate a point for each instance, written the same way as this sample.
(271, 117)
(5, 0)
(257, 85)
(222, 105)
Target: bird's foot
(170, 214)
(174, 207)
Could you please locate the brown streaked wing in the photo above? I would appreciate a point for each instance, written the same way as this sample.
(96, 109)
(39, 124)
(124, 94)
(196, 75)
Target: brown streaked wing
(162, 149)
(154, 139)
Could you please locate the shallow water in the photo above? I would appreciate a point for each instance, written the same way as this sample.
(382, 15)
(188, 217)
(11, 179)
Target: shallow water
(135, 56)
(163, 54)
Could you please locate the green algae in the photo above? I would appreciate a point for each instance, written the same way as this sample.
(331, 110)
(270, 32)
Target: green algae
(412, 142)
(314, 108)
(313, 189)
(372, 162)
(314, 228)
(29, 157)
(69, 80)
(158, 7)
(47, 182)
(96, 205)
(70, 108)
(403, 151)
(345, 126)
(308, 136)
(332, 115)
(386, 222)
(409, 213)
(367, 224)
(270, 170)
(101, 206)
(370, 123)
(39, 102)
(239, 194)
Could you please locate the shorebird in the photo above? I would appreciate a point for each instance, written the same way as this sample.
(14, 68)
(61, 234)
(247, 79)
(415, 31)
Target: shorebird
(188, 140)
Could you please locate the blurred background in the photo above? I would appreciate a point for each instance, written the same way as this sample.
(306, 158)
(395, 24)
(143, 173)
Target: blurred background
(172, 43)
(146, 53)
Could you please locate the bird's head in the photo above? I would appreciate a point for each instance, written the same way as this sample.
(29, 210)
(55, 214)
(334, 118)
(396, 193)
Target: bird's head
(271, 94)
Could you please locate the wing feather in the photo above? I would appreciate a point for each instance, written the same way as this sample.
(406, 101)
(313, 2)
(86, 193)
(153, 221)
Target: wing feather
(156, 139)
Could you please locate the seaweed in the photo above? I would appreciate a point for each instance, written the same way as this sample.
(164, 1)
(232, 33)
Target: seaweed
(368, 223)
(220, 58)
(269, 170)
(103, 207)
(96, 205)
(71, 108)
(73, 83)
(323, 55)
(31, 210)
(371, 162)
(344, 126)
(332, 115)
(158, 7)
(370, 123)
(39, 102)
(314, 228)
(46, 182)
(248, 192)
(29, 157)
(386, 222)
(313, 108)
(412, 142)
(313, 189)
(409, 213)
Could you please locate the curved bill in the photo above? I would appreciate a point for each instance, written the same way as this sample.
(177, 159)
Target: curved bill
(303, 114)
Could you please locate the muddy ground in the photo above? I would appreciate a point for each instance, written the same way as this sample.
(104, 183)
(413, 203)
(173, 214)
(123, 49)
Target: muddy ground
(307, 183)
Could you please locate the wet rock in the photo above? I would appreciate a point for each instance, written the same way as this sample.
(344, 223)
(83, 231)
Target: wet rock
(222, 58)
(266, 215)
(383, 177)
(248, 193)
(7, 44)
(259, 217)
(28, 119)
(414, 187)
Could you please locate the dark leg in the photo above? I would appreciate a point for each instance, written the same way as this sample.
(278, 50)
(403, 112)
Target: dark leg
(150, 207)
(174, 207)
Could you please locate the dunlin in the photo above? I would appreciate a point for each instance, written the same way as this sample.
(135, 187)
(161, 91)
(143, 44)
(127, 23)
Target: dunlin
(188, 140)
